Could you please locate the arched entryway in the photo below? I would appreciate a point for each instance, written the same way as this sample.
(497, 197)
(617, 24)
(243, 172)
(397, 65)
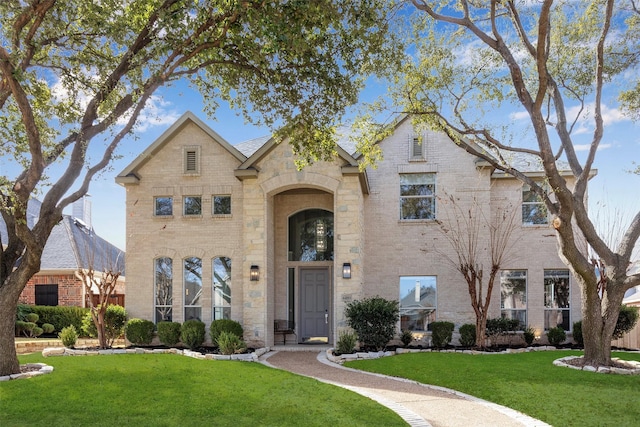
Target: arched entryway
(303, 263)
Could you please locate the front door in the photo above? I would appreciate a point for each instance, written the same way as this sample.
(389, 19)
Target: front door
(314, 305)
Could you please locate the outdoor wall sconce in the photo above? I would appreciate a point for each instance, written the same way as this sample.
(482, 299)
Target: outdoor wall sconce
(254, 273)
(346, 270)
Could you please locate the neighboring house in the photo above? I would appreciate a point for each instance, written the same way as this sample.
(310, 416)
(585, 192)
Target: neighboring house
(221, 231)
(72, 245)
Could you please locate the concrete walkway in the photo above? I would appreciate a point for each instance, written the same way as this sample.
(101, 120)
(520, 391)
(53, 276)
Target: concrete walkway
(417, 404)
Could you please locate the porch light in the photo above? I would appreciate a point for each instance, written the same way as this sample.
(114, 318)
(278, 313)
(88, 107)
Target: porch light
(346, 270)
(254, 273)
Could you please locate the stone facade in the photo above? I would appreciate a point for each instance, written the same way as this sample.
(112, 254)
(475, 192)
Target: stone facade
(267, 191)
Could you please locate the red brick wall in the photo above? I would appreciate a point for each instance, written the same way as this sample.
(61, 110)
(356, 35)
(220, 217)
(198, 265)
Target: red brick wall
(69, 289)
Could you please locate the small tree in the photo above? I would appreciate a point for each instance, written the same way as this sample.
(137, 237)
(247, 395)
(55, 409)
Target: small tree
(466, 230)
(374, 320)
(100, 283)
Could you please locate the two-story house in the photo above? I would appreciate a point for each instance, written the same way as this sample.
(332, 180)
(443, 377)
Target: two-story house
(221, 231)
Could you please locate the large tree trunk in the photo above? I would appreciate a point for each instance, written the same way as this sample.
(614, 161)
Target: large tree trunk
(8, 358)
(599, 318)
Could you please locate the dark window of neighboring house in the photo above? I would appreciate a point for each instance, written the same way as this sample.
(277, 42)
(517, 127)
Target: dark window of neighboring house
(46, 294)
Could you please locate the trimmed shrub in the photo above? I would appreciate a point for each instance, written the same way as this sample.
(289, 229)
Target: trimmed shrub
(169, 333)
(21, 312)
(225, 325)
(374, 320)
(60, 316)
(230, 343)
(24, 328)
(556, 336)
(577, 333)
(139, 331)
(192, 333)
(69, 336)
(627, 319)
(441, 333)
(48, 328)
(347, 341)
(115, 319)
(529, 335)
(32, 317)
(406, 337)
(37, 331)
(501, 325)
(467, 335)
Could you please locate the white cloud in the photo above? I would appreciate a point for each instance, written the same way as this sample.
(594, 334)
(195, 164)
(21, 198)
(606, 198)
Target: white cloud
(519, 115)
(586, 147)
(156, 112)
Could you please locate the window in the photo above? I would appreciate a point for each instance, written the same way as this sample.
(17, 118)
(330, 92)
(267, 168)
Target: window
(557, 308)
(417, 302)
(311, 236)
(417, 196)
(163, 289)
(513, 295)
(46, 294)
(192, 288)
(191, 161)
(222, 205)
(221, 288)
(163, 206)
(534, 211)
(192, 205)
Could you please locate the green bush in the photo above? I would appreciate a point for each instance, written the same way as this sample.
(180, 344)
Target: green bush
(21, 312)
(374, 320)
(24, 328)
(192, 333)
(556, 336)
(37, 331)
(627, 319)
(69, 336)
(347, 341)
(48, 328)
(441, 334)
(467, 335)
(230, 343)
(501, 325)
(139, 331)
(529, 335)
(32, 317)
(60, 316)
(406, 337)
(225, 325)
(115, 319)
(169, 333)
(577, 333)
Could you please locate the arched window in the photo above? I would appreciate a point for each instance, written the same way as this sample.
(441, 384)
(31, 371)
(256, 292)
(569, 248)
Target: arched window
(192, 268)
(311, 236)
(221, 288)
(163, 289)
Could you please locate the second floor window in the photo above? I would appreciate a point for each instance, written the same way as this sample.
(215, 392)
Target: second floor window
(221, 205)
(534, 211)
(417, 196)
(163, 206)
(192, 205)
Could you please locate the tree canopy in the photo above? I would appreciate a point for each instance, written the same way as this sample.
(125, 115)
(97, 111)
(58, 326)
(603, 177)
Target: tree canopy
(76, 74)
(555, 63)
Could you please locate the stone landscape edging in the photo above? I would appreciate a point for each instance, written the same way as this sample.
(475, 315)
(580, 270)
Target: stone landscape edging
(633, 366)
(40, 369)
(64, 351)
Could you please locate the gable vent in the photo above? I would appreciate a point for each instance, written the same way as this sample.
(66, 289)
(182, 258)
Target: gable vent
(191, 161)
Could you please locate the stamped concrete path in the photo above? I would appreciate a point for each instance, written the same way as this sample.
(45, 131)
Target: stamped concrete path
(417, 404)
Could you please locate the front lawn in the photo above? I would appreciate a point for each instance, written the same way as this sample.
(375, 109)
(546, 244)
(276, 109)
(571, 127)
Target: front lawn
(173, 390)
(527, 382)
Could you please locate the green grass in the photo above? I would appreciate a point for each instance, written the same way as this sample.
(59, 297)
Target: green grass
(527, 382)
(173, 390)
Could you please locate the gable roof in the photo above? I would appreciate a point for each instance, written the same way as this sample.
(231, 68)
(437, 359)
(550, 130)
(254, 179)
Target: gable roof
(72, 245)
(128, 175)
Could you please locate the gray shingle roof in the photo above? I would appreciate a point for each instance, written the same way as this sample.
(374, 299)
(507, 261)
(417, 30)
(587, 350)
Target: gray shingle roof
(72, 245)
